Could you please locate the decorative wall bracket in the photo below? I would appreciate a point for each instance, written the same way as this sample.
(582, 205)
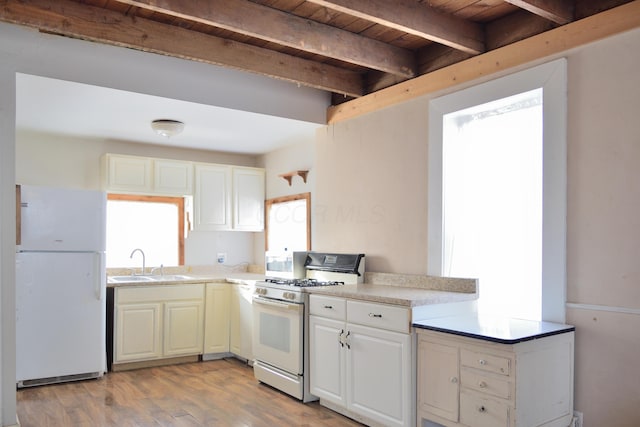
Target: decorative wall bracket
(289, 176)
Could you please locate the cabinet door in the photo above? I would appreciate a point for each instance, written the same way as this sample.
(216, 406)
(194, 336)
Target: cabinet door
(438, 379)
(327, 360)
(212, 198)
(216, 318)
(172, 177)
(241, 321)
(379, 375)
(183, 327)
(129, 174)
(138, 332)
(248, 199)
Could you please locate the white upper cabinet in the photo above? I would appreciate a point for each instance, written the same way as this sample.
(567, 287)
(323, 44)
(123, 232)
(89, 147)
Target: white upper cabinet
(143, 175)
(248, 199)
(173, 177)
(224, 197)
(212, 198)
(228, 198)
(128, 173)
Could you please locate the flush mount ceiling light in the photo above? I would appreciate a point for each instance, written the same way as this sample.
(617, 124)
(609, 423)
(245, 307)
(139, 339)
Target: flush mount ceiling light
(167, 128)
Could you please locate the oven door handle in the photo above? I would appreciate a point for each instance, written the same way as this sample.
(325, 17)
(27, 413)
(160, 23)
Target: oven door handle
(283, 305)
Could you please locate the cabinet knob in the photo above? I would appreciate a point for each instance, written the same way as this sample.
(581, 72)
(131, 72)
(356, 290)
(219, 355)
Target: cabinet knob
(482, 409)
(454, 380)
(482, 384)
(482, 362)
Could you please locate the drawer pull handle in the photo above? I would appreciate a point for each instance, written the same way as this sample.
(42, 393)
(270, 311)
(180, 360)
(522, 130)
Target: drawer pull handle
(375, 315)
(454, 380)
(482, 384)
(341, 338)
(482, 362)
(482, 409)
(330, 307)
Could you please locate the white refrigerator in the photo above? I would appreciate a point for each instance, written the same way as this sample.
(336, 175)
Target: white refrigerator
(60, 285)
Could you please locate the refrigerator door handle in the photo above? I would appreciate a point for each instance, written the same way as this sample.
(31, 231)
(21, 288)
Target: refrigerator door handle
(102, 278)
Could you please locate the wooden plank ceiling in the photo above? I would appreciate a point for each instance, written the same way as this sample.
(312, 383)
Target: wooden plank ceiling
(347, 47)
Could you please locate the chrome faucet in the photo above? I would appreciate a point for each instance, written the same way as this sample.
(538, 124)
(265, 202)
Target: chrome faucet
(161, 268)
(131, 256)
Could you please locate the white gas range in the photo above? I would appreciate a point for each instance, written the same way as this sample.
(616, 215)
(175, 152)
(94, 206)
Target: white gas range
(280, 316)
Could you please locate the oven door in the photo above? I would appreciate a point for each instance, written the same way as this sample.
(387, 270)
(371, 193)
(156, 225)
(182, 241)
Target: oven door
(277, 333)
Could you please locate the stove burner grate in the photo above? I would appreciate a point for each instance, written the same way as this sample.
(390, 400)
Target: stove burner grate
(303, 283)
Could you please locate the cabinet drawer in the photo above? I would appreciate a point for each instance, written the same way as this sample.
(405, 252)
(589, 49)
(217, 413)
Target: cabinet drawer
(486, 362)
(136, 294)
(480, 412)
(485, 384)
(329, 307)
(378, 316)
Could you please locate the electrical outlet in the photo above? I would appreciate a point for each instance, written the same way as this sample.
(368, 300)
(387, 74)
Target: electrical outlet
(222, 257)
(577, 419)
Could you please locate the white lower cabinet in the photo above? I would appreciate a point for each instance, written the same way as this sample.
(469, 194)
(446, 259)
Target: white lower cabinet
(216, 318)
(183, 327)
(137, 332)
(361, 359)
(472, 382)
(241, 321)
(154, 322)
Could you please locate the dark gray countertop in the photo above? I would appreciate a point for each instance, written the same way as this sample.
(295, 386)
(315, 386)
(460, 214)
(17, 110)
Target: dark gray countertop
(496, 329)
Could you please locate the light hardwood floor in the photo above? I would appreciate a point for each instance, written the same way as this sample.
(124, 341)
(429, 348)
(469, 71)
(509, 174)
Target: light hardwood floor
(215, 393)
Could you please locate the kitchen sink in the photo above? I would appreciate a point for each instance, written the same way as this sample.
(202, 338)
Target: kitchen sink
(130, 279)
(154, 278)
(170, 277)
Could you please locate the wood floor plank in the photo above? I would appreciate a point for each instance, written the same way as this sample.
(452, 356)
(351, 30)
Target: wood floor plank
(216, 393)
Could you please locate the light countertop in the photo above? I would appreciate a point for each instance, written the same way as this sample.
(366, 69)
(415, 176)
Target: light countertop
(397, 295)
(196, 278)
(402, 290)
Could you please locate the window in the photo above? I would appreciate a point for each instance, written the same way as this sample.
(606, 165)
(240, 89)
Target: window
(151, 223)
(288, 225)
(497, 191)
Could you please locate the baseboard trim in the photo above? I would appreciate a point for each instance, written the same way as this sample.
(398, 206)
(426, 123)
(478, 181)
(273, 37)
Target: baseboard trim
(117, 367)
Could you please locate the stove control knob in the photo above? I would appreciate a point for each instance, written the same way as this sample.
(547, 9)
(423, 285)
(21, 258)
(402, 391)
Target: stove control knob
(289, 295)
(261, 291)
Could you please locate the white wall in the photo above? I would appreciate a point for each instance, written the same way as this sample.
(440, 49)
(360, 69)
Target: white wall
(378, 162)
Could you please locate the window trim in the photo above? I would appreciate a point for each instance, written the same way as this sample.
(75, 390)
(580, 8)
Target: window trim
(178, 201)
(552, 78)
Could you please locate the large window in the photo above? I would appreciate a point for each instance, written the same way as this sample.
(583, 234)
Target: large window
(497, 191)
(151, 223)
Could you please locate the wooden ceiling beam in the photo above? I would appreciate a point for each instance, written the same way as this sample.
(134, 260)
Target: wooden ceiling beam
(558, 11)
(255, 20)
(548, 45)
(415, 18)
(72, 19)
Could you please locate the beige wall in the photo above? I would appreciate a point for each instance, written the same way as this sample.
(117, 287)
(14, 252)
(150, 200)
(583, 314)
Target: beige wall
(371, 196)
(71, 162)
(371, 188)
(65, 161)
(603, 242)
